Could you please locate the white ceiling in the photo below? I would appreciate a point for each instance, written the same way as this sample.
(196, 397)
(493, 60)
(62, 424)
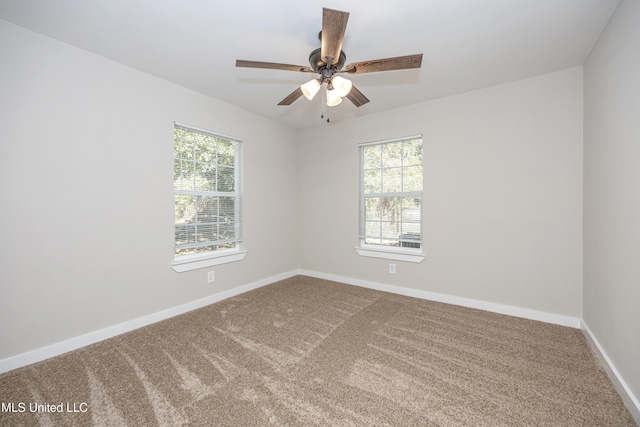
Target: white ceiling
(467, 44)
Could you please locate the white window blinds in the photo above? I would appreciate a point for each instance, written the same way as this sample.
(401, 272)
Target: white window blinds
(391, 182)
(208, 201)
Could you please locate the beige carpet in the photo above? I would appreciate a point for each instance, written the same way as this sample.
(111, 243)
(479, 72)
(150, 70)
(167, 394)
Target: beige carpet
(308, 352)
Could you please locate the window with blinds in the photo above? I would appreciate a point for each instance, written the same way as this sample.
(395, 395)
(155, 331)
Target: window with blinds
(206, 180)
(391, 194)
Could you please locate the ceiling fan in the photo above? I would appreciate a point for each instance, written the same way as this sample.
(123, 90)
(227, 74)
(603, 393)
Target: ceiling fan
(328, 61)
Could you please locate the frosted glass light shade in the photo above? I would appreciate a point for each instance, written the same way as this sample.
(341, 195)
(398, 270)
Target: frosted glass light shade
(333, 98)
(310, 88)
(341, 85)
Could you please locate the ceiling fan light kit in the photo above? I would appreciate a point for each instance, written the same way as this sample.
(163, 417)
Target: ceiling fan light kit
(341, 85)
(310, 88)
(333, 98)
(329, 60)
(337, 88)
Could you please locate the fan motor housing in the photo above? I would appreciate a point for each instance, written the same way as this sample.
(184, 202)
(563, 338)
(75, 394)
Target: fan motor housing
(316, 62)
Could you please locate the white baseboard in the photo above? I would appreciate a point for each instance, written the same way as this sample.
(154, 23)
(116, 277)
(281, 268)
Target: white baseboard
(75, 343)
(525, 313)
(630, 400)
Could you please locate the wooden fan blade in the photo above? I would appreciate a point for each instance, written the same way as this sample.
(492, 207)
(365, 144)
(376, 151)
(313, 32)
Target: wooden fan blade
(291, 97)
(387, 64)
(357, 97)
(273, 66)
(334, 25)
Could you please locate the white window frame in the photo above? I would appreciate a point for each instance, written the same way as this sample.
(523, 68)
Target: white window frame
(189, 262)
(396, 253)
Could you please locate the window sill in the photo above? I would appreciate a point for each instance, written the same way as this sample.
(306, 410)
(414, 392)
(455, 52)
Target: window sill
(396, 255)
(188, 263)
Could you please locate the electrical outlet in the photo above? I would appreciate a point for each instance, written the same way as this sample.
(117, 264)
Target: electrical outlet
(211, 276)
(392, 268)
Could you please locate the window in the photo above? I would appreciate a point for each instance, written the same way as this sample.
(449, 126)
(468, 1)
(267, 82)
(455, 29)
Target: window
(206, 182)
(391, 199)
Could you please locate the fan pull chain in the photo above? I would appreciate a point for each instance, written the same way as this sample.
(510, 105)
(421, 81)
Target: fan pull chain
(324, 105)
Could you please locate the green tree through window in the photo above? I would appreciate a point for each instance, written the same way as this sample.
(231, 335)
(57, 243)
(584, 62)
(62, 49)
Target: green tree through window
(391, 193)
(206, 177)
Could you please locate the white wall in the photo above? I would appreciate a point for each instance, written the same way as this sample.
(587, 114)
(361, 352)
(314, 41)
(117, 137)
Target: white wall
(502, 195)
(86, 233)
(612, 192)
